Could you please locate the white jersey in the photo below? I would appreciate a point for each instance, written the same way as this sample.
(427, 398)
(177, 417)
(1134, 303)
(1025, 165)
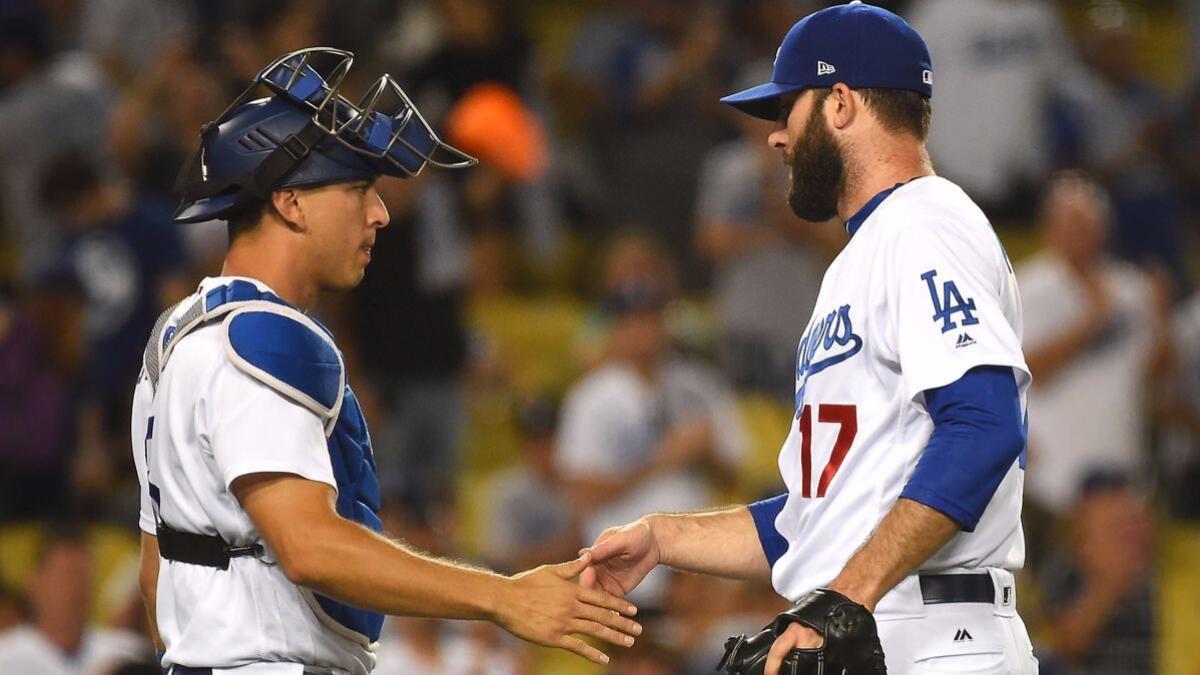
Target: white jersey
(922, 293)
(209, 423)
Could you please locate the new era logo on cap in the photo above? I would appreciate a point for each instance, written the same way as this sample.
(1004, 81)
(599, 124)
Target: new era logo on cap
(927, 77)
(825, 68)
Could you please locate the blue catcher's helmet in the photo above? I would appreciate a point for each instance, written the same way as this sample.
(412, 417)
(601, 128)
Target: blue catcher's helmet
(305, 134)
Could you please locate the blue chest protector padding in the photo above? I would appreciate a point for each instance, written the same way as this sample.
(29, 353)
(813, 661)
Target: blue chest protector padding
(357, 500)
(286, 353)
(290, 352)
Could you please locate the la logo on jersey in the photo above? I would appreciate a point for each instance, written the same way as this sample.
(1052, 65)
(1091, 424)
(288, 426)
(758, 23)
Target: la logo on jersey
(833, 340)
(949, 303)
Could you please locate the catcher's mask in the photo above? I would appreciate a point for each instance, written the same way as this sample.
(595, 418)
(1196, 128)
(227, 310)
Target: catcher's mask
(306, 133)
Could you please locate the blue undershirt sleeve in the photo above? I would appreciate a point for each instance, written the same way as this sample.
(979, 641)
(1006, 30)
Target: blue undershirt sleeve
(978, 433)
(764, 513)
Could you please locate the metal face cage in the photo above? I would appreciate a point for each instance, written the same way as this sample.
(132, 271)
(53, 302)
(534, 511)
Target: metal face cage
(385, 125)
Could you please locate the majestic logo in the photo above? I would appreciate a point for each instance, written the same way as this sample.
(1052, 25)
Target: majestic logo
(825, 68)
(962, 635)
(950, 303)
(832, 338)
(964, 340)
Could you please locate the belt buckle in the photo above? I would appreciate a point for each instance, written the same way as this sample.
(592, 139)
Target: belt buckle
(255, 550)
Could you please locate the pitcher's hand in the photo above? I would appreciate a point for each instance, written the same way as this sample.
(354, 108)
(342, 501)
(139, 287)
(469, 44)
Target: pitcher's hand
(621, 558)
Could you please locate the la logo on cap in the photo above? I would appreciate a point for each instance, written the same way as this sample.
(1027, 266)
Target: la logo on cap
(825, 68)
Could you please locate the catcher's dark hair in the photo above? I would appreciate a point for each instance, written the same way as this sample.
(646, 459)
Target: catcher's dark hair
(246, 219)
(900, 110)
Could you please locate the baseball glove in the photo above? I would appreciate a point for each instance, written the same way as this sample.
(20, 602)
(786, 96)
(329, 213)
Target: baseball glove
(851, 643)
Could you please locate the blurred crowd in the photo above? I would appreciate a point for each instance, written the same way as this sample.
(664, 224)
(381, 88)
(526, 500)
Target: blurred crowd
(600, 320)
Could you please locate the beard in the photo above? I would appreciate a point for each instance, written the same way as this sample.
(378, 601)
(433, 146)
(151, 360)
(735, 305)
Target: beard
(818, 171)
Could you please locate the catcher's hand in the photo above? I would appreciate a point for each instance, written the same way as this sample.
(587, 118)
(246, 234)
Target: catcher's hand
(851, 643)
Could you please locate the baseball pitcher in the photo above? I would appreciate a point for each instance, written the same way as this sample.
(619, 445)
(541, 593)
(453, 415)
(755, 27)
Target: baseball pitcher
(900, 530)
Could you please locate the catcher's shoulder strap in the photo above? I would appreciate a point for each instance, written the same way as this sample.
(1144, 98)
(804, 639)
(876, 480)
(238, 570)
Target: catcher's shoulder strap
(265, 337)
(197, 310)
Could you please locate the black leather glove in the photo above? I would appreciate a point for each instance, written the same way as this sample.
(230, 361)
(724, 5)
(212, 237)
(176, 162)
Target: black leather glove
(851, 642)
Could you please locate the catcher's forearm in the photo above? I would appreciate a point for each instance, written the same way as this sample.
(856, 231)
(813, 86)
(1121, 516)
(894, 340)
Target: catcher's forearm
(907, 536)
(721, 542)
(388, 577)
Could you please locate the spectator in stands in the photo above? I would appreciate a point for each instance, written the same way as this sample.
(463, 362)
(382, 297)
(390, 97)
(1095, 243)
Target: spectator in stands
(154, 124)
(125, 261)
(1179, 433)
(411, 645)
(1100, 587)
(647, 74)
(510, 200)
(649, 430)
(410, 342)
(40, 352)
(996, 64)
(1116, 125)
(769, 263)
(153, 129)
(129, 35)
(530, 519)
(627, 259)
(50, 103)
(14, 611)
(481, 41)
(249, 33)
(1095, 331)
(1183, 151)
(58, 640)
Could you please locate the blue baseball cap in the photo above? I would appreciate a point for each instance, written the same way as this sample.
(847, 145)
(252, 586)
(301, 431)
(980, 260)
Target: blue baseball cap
(859, 45)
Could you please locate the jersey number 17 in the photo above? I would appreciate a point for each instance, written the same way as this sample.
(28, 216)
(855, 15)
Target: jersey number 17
(846, 416)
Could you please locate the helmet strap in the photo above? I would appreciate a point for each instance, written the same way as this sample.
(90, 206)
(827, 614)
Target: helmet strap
(283, 160)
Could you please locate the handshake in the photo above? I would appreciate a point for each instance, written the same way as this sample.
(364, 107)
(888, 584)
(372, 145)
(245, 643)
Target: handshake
(825, 633)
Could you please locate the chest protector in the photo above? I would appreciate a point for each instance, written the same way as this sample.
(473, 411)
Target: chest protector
(280, 346)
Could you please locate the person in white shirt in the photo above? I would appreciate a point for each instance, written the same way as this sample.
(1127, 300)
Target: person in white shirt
(261, 550)
(1096, 331)
(756, 245)
(905, 462)
(648, 429)
(58, 640)
(999, 63)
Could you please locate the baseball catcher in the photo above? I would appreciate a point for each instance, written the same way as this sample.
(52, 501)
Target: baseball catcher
(260, 506)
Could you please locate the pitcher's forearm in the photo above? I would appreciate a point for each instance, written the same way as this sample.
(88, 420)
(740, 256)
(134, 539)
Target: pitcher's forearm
(721, 542)
(906, 537)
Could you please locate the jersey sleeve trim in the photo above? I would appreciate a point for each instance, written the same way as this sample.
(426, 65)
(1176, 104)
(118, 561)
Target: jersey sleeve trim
(1020, 372)
(764, 513)
(978, 435)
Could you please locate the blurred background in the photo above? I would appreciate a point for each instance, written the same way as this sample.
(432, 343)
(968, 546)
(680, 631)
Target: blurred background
(621, 222)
